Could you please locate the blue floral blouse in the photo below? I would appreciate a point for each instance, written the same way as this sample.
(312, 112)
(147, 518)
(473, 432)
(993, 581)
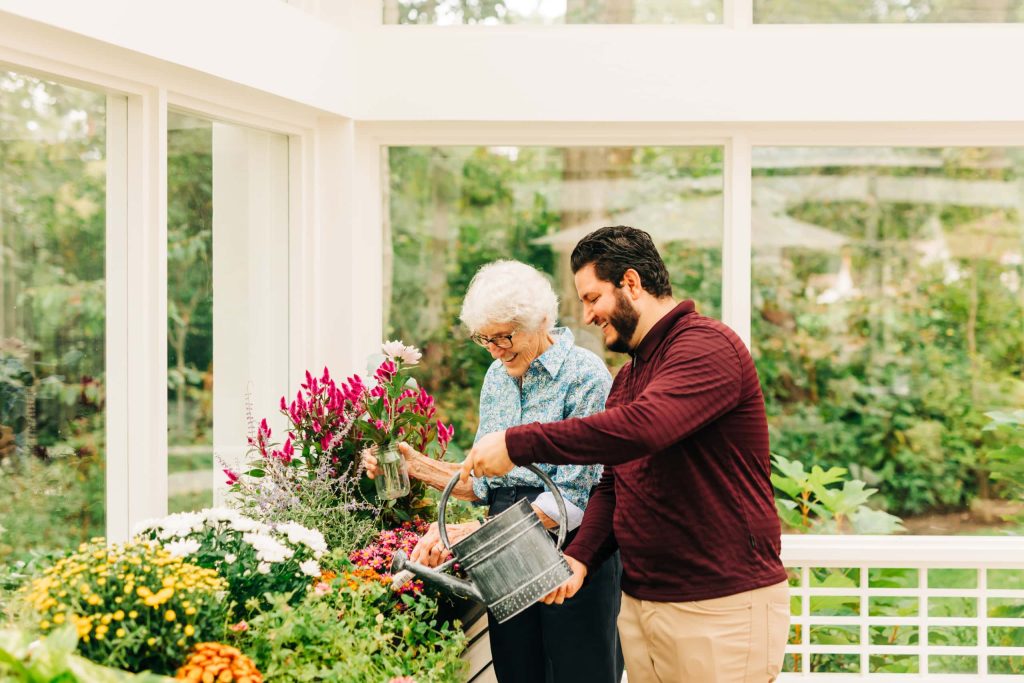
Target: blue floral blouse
(565, 381)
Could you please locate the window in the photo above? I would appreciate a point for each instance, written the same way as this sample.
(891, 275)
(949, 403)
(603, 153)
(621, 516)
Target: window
(227, 296)
(52, 314)
(888, 316)
(453, 209)
(886, 11)
(490, 12)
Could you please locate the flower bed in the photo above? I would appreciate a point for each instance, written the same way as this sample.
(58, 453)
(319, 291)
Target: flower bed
(290, 583)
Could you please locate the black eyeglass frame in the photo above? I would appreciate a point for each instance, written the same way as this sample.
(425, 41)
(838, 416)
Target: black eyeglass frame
(501, 341)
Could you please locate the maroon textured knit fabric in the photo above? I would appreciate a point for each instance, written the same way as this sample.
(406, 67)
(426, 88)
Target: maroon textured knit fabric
(686, 493)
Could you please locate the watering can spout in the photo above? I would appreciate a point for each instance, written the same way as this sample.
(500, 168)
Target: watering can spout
(446, 582)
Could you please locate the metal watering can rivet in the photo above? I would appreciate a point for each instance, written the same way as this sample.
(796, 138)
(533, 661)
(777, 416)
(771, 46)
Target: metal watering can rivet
(511, 560)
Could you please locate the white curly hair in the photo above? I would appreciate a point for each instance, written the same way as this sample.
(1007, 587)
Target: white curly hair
(510, 292)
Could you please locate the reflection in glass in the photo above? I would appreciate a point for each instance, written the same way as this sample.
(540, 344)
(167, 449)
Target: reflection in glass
(886, 11)
(189, 311)
(227, 229)
(52, 314)
(491, 12)
(453, 209)
(888, 318)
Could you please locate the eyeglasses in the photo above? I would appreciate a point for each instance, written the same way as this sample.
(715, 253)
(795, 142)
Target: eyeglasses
(502, 341)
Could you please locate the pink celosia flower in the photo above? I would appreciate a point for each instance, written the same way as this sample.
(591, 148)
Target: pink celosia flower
(232, 476)
(386, 371)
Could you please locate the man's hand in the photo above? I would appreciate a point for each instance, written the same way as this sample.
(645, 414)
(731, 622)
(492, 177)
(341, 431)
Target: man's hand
(430, 551)
(571, 586)
(488, 458)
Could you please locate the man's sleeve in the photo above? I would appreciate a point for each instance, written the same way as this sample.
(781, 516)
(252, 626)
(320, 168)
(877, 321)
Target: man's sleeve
(697, 383)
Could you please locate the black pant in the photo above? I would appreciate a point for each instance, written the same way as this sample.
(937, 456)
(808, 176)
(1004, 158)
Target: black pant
(576, 641)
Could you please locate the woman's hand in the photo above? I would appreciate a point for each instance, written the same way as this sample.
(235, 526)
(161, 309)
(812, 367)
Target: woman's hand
(544, 519)
(430, 551)
(369, 458)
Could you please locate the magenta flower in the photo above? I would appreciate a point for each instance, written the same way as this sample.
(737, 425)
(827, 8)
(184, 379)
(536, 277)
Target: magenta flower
(232, 476)
(386, 371)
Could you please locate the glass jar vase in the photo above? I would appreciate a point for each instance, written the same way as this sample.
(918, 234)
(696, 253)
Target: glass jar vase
(392, 480)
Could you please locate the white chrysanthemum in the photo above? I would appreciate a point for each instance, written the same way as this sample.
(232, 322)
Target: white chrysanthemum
(145, 525)
(410, 355)
(221, 515)
(311, 538)
(267, 548)
(180, 524)
(263, 568)
(392, 349)
(310, 568)
(246, 525)
(182, 548)
(230, 558)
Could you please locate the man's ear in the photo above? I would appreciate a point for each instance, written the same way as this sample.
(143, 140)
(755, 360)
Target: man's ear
(632, 284)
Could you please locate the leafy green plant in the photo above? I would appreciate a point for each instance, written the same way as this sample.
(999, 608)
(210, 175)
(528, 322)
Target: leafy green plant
(52, 659)
(814, 504)
(1006, 464)
(355, 629)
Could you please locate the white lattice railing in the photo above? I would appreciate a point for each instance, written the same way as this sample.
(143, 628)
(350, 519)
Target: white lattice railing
(902, 607)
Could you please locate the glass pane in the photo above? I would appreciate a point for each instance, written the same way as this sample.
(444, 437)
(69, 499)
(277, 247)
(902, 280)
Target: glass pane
(227, 186)
(52, 314)
(886, 11)
(888, 319)
(490, 12)
(453, 209)
(189, 312)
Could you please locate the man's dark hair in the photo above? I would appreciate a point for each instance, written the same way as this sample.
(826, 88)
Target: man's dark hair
(614, 250)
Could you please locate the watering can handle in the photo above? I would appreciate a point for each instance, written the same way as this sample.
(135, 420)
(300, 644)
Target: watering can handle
(559, 501)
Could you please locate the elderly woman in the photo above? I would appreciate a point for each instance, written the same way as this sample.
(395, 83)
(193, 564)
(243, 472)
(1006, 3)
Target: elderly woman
(538, 375)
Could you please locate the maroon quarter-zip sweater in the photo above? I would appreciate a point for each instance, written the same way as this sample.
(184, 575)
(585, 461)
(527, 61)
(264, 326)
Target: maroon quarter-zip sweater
(686, 493)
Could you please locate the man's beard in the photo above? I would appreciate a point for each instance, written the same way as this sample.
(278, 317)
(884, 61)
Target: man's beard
(624, 320)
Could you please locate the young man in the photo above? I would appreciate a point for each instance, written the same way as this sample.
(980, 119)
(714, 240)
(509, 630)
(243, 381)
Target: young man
(686, 495)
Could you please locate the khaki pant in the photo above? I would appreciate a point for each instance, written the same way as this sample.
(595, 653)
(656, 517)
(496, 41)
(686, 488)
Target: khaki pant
(740, 638)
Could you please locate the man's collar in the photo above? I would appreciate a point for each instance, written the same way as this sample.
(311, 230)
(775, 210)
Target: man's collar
(654, 336)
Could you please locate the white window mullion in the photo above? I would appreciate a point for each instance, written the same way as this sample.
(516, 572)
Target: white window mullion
(736, 257)
(116, 337)
(738, 14)
(145, 350)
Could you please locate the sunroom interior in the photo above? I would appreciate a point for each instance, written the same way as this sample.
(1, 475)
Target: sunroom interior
(201, 201)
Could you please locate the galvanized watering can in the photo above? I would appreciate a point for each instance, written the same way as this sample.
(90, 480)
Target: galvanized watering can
(511, 560)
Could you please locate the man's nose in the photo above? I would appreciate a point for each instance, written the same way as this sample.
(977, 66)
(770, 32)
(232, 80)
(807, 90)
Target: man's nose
(588, 315)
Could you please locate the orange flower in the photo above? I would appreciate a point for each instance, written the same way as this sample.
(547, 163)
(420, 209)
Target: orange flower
(217, 663)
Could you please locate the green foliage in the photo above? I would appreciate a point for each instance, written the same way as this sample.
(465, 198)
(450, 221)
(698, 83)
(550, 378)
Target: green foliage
(52, 659)
(891, 380)
(355, 632)
(1007, 463)
(814, 505)
(49, 504)
(190, 276)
